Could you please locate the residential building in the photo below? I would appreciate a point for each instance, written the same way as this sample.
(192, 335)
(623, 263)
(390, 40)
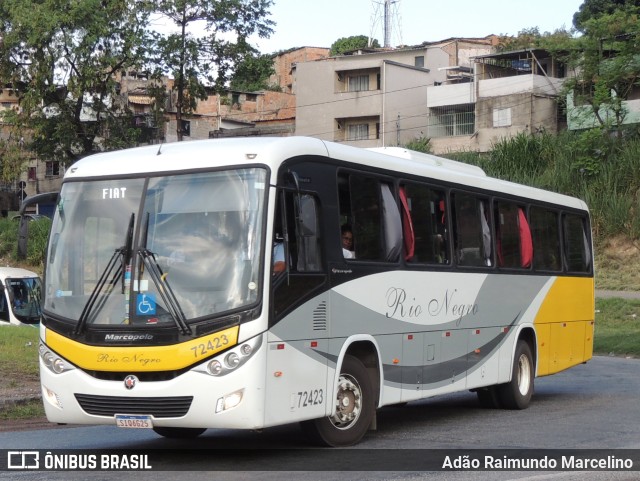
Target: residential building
(8, 99)
(377, 97)
(284, 62)
(37, 176)
(504, 94)
(235, 113)
(581, 115)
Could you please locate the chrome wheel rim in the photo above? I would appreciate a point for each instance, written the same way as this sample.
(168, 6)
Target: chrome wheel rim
(524, 375)
(348, 402)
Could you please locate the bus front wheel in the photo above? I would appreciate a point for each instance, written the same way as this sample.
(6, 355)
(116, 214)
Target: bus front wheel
(517, 393)
(354, 408)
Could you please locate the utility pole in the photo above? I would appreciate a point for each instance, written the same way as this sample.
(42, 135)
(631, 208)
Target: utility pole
(387, 22)
(388, 12)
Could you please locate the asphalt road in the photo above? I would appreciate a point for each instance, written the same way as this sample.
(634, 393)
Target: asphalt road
(593, 406)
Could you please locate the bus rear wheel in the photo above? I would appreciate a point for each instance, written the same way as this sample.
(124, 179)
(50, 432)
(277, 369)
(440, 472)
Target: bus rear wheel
(354, 408)
(517, 393)
(178, 433)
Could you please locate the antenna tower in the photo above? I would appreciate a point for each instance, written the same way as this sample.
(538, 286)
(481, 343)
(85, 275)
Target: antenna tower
(388, 13)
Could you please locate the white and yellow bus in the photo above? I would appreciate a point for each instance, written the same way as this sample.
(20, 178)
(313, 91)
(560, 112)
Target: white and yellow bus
(162, 308)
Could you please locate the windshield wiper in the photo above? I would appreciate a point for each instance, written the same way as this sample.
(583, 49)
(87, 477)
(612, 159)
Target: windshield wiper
(124, 252)
(143, 244)
(164, 288)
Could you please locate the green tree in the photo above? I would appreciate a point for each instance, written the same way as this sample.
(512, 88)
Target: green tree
(594, 8)
(347, 44)
(252, 74)
(62, 64)
(208, 58)
(532, 38)
(606, 66)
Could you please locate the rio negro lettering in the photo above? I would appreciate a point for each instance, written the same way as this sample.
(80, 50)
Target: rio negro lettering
(402, 306)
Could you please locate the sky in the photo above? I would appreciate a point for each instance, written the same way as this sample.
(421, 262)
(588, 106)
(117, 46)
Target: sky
(320, 23)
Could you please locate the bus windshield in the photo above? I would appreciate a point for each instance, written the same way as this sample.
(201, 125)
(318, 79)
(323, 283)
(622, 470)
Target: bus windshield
(25, 294)
(157, 250)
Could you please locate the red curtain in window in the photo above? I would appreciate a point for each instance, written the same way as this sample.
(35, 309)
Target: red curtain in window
(526, 242)
(407, 227)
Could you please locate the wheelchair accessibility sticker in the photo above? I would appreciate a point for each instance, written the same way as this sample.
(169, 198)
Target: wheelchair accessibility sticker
(146, 305)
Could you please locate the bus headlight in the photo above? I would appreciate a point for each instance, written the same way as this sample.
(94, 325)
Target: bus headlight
(52, 361)
(232, 359)
(51, 397)
(214, 367)
(229, 401)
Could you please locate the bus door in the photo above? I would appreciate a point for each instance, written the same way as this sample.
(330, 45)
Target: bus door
(298, 335)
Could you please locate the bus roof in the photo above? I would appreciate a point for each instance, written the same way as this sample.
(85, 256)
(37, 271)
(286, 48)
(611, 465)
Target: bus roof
(272, 151)
(15, 273)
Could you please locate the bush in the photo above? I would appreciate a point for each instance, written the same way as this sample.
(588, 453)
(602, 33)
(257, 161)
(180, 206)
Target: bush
(601, 169)
(36, 242)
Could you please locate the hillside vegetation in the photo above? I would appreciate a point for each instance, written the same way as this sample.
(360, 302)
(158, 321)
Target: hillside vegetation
(603, 171)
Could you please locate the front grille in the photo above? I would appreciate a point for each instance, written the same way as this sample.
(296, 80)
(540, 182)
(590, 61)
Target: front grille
(159, 407)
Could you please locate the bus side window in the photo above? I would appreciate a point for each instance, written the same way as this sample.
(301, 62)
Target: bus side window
(513, 236)
(546, 239)
(369, 206)
(307, 234)
(4, 308)
(279, 256)
(576, 244)
(392, 225)
(296, 240)
(424, 208)
(471, 233)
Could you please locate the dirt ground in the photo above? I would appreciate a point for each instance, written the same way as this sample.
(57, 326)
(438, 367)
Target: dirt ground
(28, 390)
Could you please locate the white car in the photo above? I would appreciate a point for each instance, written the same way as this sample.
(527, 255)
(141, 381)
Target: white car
(21, 291)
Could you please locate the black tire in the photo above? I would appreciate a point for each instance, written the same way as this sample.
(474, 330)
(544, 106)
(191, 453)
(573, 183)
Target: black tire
(517, 393)
(179, 433)
(489, 397)
(354, 408)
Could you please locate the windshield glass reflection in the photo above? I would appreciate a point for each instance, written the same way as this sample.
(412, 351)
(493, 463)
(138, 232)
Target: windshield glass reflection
(193, 253)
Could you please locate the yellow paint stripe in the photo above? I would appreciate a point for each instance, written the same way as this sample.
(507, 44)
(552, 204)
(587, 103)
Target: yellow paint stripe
(569, 299)
(564, 325)
(144, 358)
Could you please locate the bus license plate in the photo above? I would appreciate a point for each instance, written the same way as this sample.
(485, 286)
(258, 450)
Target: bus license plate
(133, 422)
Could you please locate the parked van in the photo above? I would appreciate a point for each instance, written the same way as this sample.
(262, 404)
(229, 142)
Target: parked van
(20, 294)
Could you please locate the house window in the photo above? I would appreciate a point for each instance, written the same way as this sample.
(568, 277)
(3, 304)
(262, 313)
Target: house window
(185, 126)
(502, 117)
(358, 132)
(451, 121)
(53, 169)
(32, 174)
(419, 61)
(358, 83)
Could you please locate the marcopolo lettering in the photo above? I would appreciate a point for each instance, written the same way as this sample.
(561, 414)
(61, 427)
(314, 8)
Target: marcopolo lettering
(128, 337)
